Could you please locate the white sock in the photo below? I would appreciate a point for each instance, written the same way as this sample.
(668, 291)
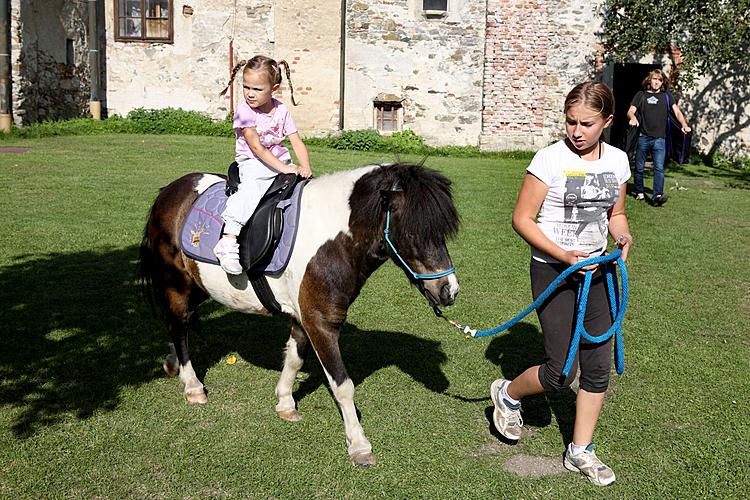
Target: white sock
(576, 449)
(504, 394)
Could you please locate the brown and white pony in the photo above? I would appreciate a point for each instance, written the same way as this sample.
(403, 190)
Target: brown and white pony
(340, 243)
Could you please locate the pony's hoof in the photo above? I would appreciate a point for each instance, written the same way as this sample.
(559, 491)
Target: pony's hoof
(196, 397)
(170, 365)
(363, 459)
(289, 415)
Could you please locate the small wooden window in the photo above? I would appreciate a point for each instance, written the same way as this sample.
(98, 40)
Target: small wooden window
(143, 20)
(388, 116)
(435, 5)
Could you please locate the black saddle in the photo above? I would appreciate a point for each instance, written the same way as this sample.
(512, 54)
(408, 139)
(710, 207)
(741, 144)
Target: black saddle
(260, 235)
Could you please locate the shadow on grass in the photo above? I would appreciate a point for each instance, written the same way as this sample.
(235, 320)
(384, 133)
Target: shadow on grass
(514, 352)
(76, 333)
(730, 177)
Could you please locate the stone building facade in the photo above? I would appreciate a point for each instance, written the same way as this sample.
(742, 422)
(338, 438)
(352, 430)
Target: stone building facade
(427, 64)
(49, 60)
(492, 73)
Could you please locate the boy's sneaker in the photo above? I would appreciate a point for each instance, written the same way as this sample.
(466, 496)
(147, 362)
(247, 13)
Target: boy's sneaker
(640, 197)
(227, 250)
(507, 416)
(588, 464)
(660, 199)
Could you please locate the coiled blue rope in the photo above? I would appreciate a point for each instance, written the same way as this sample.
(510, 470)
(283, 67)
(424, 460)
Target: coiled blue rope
(618, 301)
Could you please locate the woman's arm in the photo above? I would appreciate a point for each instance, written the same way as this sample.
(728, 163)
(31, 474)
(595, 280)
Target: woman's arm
(530, 200)
(264, 154)
(618, 223)
(680, 118)
(300, 152)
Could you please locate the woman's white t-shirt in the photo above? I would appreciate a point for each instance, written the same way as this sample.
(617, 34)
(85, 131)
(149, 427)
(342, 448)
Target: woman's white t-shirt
(581, 192)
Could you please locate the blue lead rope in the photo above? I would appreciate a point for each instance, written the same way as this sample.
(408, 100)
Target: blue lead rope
(617, 308)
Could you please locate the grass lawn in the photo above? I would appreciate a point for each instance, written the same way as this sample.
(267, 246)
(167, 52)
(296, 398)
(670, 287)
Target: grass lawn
(86, 410)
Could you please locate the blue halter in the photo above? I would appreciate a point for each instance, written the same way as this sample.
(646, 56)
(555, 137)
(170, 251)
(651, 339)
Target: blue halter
(417, 276)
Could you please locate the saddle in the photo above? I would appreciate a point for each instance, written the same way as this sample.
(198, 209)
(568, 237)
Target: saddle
(261, 234)
(266, 240)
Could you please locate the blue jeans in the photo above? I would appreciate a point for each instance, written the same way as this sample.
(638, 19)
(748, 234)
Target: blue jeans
(658, 151)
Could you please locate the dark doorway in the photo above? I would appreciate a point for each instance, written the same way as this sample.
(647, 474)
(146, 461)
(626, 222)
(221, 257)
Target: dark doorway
(626, 82)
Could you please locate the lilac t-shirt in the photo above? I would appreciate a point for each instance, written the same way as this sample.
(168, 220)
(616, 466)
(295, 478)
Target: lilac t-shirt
(271, 127)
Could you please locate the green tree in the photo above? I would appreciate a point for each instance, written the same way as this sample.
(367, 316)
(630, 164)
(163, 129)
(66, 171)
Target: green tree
(708, 33)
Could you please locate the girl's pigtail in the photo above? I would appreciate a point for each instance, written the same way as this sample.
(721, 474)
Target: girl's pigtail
(234, 73)
(288, 78)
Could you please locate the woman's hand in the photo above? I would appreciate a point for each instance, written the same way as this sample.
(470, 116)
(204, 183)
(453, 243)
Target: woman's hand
(573, 257)
(624, 242)
(686, 129)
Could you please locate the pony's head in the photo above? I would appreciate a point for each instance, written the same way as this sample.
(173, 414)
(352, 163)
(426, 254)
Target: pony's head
(416, 207)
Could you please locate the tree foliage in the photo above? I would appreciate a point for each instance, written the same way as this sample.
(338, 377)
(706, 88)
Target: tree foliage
(708, 33)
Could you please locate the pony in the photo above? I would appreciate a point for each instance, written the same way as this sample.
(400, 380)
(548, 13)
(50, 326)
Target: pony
(350, 223)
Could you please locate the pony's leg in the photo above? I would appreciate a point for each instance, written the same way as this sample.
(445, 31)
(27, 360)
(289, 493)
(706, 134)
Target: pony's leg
(326, 346)
(296, 349)
(178, 317)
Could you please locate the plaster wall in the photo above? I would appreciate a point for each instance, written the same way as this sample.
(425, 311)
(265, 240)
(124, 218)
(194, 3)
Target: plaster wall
(308, 36)
(190, 72)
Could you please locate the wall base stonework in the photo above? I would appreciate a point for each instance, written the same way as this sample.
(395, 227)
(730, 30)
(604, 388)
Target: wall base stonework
(46, 85)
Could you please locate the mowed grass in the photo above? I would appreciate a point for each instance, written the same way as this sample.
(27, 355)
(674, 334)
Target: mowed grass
(86, 410)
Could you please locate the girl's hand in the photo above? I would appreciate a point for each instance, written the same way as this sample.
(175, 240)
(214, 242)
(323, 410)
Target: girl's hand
(686, 129)
(573, 257)
(624, 242)
(304, 171)
(633, 122)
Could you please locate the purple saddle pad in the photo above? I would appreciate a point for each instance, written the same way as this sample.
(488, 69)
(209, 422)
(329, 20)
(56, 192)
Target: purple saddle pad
(202, 228)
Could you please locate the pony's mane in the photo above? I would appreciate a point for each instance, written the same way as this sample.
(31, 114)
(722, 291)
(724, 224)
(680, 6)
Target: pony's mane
(427, 214)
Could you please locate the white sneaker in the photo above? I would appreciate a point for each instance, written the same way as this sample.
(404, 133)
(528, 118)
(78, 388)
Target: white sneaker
(588, 464)
(227, 250)
(506, 417)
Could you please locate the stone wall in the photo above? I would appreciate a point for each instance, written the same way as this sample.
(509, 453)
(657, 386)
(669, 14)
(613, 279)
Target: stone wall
(489, 72)
(718, 110)
(432, 64)
(45, 86)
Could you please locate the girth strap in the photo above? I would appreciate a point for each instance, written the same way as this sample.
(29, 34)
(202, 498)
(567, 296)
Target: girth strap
(264, 293)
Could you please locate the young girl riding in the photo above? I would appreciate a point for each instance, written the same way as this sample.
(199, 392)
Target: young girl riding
(573, 194)
(261, 123)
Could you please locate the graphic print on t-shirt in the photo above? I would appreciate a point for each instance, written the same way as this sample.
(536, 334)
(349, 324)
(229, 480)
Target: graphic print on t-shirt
(587, 198)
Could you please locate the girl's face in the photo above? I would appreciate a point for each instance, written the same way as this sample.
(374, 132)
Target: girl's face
(656, 82)
(584, 127)
(257, 89)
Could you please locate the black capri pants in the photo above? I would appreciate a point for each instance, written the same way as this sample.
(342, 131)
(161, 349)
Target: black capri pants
(557, 316)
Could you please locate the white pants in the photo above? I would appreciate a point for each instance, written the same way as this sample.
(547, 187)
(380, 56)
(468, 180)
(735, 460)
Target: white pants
(255, 179)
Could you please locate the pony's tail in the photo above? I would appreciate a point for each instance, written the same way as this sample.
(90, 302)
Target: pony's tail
(151, 287)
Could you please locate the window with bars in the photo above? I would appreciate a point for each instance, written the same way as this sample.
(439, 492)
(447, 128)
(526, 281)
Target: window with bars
(388, 116)
(435, 5)
(143, 20)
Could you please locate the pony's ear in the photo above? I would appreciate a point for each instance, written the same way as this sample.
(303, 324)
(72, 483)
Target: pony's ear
(392, 199)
